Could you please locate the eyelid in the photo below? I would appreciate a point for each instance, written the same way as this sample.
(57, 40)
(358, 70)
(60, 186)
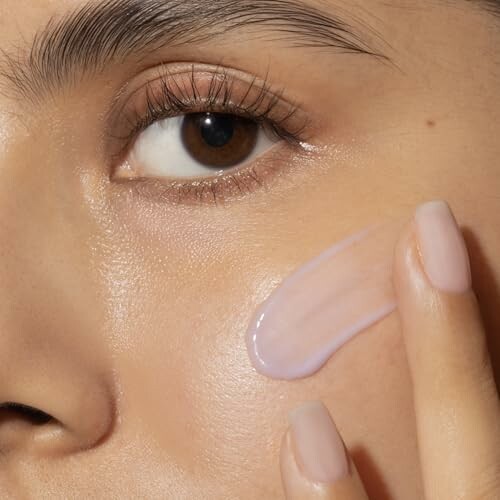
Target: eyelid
(189, 86)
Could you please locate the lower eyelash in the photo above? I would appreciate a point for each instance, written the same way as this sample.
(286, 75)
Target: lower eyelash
(218, 190)
(197, 192)
(212, 191)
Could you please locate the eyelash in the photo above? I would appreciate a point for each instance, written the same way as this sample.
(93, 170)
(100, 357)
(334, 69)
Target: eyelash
(173, 99)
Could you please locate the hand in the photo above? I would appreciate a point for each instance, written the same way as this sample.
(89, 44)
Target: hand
(455, 396)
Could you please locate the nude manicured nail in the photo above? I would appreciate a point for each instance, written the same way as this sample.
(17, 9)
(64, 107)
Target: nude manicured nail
(442, 248)
(318, 447)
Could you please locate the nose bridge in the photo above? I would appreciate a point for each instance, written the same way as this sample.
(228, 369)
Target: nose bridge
(41, 252)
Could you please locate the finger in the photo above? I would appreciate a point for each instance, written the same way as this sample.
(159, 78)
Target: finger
(456, 400)
(314, 461)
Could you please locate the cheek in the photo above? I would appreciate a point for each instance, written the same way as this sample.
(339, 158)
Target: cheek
(209, 411)
(189, 388)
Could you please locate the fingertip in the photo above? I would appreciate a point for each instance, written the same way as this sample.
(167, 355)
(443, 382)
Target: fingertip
(442, 248)
(440, 318)
(318, 446)
(314, 460)
(431, 255)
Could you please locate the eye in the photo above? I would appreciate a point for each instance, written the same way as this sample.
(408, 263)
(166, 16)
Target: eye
(202, 134)
(196, 145)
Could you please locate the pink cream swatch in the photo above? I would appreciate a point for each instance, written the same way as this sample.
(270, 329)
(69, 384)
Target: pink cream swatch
(324, 304)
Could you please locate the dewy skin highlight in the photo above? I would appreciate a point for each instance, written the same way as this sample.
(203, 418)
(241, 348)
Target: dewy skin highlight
(324, 304)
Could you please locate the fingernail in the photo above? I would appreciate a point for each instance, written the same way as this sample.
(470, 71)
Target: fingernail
(318, 448)
(442, 248)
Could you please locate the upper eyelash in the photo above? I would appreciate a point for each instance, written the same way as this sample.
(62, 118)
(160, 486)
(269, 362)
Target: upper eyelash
(174, 99)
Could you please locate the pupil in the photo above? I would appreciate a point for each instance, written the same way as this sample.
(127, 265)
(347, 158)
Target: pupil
(217, 130)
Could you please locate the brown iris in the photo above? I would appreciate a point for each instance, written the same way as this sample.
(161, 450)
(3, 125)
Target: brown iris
(219, 140)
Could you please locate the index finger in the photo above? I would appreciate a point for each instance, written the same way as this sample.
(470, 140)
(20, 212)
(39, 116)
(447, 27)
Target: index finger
(455, 396)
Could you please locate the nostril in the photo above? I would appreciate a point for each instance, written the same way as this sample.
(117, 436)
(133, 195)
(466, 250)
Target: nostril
(21, 411)
(20, 424)
(75, 422)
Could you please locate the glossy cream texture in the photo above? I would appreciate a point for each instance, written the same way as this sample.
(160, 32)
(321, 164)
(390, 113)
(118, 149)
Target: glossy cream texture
(324, 304)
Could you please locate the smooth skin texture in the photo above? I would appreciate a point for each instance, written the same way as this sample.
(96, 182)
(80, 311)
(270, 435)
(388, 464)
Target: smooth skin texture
(130, 311)
(456, 400)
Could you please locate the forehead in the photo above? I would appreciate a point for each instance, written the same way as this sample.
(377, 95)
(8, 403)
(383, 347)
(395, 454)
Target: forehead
(23, 17)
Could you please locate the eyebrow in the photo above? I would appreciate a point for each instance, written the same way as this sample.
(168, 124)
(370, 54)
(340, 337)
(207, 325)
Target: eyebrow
(88, 40)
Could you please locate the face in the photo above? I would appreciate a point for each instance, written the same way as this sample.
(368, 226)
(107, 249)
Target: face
(136, 242)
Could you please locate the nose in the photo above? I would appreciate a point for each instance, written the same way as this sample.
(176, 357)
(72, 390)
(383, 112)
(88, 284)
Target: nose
(56, 393)
(51, 404)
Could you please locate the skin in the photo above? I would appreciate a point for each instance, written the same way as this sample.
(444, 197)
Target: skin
(124, 317)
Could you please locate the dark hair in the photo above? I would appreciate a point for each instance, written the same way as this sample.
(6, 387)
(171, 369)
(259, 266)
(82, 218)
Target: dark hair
(492, 6)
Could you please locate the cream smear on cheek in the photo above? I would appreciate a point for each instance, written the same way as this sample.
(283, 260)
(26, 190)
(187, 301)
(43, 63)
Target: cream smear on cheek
(324, 304)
